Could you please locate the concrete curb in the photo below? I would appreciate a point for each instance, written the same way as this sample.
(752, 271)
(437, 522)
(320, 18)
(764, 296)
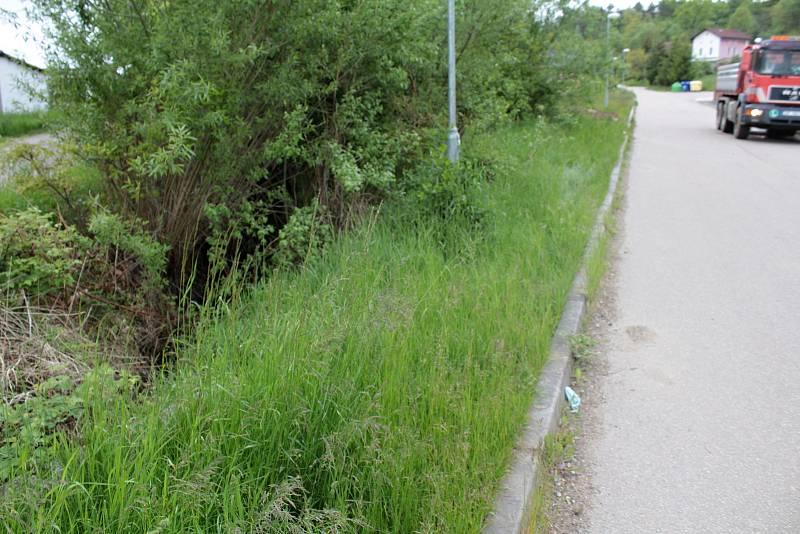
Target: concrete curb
(512, 507)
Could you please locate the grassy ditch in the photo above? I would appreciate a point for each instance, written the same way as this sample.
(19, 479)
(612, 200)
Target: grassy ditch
(379, 389)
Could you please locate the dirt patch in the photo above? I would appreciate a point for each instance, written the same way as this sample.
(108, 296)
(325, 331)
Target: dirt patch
(572, 494)
(596, 114)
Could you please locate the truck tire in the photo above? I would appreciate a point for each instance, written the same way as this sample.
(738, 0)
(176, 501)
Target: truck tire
(723, 124)
(740, 131)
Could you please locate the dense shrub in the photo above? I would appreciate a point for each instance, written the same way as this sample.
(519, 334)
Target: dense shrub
(37, 255)
(439, 190)
(213, 122)
(114, 267)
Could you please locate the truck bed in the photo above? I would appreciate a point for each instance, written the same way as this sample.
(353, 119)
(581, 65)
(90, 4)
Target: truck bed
(727, 79)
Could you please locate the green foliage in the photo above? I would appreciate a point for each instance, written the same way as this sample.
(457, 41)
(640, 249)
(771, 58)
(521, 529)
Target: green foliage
(637, 62)
(207, 129)
(381, 388)
(651, 34)
(743, 19)
(17, 124)
(439, 191)
(674, 66)
(304, 236)
(37, 255)
(128, 242)
(693, 16)
(27, 429)
(50, 177)
(30, 430)
(46, 259)
(669, 64)
(786, 17)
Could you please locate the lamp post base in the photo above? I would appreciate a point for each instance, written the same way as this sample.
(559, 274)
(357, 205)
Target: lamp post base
(453, 144)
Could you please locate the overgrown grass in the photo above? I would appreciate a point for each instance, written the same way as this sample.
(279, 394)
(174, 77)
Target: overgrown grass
(17, 124)
(379, 389)
(81, 182)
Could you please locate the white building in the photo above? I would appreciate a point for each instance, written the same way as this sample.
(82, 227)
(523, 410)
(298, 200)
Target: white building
(715, 44)
(16, 77)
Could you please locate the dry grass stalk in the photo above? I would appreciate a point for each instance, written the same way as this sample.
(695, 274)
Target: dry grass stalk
(34, 347)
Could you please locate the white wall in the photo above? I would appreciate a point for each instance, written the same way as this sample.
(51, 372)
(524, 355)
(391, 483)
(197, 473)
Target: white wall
(13, 93)
(706, 46)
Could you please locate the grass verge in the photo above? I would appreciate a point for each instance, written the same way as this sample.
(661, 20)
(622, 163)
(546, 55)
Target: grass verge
(17, 124)
(380, 389)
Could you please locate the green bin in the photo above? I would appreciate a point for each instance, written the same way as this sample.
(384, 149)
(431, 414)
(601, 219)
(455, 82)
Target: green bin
(677, 87)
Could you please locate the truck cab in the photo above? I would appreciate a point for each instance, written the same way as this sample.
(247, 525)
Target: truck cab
(762, 91)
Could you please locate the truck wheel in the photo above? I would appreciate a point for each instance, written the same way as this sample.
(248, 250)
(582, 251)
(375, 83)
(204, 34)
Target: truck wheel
(740, 131)
(722, 117)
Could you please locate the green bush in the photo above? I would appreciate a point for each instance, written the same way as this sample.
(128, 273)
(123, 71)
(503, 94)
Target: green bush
(37, 255)
(50, 177)
(379, 389)
(197, 121)
(304, 235)
(439, 191)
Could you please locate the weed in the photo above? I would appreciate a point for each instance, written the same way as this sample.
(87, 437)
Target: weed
(582, 346)
(379, 387)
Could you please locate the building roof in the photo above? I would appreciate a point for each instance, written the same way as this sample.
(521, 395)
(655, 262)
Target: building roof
(726, 34)
(20, 62)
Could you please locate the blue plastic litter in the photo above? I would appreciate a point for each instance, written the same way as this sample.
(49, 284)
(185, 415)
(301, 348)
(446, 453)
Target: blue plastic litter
(572, 398)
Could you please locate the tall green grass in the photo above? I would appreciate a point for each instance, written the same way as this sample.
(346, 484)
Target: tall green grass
(81, 182)
(22, 123)
(379, 389)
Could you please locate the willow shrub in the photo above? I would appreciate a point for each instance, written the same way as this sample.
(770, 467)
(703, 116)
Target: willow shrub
(214, 121)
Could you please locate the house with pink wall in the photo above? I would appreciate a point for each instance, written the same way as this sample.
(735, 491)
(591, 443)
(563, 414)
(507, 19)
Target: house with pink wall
(715, 44)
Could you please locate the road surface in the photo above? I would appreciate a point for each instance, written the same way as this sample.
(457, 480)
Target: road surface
(699, 428)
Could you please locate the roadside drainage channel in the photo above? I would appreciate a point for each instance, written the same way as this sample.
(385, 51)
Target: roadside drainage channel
(512, 508)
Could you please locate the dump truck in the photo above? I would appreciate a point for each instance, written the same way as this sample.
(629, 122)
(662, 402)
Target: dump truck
(762, 90)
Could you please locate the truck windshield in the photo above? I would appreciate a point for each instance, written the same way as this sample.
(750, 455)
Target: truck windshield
(778, 62)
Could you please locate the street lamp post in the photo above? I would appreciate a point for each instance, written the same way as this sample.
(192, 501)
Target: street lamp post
(453, 139)
(611, 15)
(624, 63)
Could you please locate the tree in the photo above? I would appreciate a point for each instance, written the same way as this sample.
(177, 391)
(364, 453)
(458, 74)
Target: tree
(694, 16)
(654, 63)
(637, 64)
(675, 65)
(743, 20)
(786, 17)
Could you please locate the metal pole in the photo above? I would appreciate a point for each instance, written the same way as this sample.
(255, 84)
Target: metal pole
(624, 63)
(453, 139)
(608, 63)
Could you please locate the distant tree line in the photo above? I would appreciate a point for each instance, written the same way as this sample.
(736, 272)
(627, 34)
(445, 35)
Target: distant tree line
(659, 36)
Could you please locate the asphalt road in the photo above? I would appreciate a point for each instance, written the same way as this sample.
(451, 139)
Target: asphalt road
(699, 429)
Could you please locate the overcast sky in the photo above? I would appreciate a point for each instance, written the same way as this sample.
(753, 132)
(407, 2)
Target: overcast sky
(20, 39)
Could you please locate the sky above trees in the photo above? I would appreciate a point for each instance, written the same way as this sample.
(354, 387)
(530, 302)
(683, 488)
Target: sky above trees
(18, 34)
